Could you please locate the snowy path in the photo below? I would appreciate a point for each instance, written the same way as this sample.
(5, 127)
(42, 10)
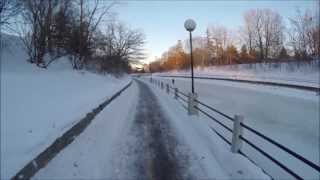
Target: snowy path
(156, 156)
(144, 147)
(136, 137)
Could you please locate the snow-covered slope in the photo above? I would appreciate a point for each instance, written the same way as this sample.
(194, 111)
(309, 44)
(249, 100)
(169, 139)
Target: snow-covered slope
(303, 73)
(38, 105)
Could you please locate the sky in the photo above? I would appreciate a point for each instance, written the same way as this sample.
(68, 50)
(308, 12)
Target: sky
(162, 21)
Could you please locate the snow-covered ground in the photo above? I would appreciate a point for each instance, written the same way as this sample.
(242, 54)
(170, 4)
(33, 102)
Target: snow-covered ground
(38, 105)
(211, 150)
(112, 148)
(303, 73)
(286, 115)
(90, 155)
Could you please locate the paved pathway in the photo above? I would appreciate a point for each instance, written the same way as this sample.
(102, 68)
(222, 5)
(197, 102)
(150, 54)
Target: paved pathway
(157, 153)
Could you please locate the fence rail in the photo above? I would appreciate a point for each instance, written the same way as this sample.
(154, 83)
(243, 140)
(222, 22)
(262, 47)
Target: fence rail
(271, 158)
(215, 110)
(248, 128)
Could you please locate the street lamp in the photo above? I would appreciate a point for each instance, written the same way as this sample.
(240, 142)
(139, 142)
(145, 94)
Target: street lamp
(190, 25)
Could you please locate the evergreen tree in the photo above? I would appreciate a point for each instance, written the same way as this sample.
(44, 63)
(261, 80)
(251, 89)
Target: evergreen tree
(232, 54)
(283, 53)
(244, 56)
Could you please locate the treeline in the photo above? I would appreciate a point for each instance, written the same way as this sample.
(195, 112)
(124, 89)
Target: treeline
(51, 29)
(263, 37)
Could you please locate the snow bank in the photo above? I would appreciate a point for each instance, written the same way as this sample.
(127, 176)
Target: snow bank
(38, 105)
(302, 73)
(93, 153)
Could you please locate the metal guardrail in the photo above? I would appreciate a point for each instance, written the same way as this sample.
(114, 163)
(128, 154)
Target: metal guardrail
(252, 130)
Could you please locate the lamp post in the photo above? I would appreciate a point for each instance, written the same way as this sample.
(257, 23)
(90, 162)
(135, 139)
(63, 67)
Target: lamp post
(190, 25)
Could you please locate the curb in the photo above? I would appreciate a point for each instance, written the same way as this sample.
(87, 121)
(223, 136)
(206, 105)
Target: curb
(63, 141)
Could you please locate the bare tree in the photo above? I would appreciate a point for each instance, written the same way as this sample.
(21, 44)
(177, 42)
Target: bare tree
(263, 30)
(124, 42)
(209, 47)
(248, 29)
(90, 16)
(8, 9)
(61, 28)
(273, 33)
(45, 29)
(37, 13)
(304, 34)
(201, 51)
(253, 29)
(218, 37)
(120, 46)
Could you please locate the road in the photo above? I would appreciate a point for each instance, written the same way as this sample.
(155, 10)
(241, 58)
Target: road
(289, 116)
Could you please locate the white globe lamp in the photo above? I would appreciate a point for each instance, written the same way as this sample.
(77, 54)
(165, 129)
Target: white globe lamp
(190, 25)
